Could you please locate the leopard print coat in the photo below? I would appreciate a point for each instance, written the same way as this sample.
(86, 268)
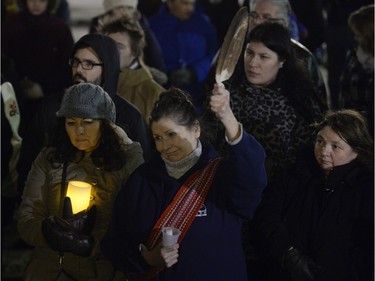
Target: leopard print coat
(280, 123)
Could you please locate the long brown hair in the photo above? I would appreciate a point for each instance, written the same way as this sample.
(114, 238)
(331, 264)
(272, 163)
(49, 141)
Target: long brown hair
(109, 155)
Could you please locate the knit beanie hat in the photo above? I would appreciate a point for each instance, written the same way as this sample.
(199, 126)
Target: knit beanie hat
(86, 100)
(111, 4)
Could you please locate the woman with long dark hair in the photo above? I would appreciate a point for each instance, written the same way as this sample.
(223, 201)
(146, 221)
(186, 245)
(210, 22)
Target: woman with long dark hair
(273, 96)
(88, 147)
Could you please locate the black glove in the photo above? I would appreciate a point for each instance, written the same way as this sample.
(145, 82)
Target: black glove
(301, 267)
(181, 77)
(83, 221)
(61, 237)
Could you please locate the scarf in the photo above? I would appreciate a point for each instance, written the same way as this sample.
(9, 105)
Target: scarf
(178, 168)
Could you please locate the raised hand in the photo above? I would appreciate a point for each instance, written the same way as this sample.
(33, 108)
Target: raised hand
(220, 102)
(220, 105)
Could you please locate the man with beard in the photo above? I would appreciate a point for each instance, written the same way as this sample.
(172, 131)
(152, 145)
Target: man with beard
(94, 59)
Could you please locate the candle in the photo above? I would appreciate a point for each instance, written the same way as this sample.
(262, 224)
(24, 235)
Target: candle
(79, 193)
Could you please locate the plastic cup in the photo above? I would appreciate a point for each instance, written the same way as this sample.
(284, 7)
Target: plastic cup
(170, 235)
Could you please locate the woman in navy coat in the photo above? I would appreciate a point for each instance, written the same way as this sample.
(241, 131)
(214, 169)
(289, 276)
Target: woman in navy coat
(211, 247)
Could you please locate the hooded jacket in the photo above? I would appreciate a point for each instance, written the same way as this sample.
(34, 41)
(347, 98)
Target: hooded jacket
(106, 50)
(128, 116)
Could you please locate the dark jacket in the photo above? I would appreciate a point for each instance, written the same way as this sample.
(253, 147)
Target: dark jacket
(357, 88)
(211, 249)
(330, 219)
(127, 116)
(39, 47)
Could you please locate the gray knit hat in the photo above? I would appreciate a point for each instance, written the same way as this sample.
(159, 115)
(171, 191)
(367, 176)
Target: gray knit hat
(86, 100)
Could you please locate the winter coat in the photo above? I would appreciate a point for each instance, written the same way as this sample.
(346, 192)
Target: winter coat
(138, 87)
(188, 44)
(211, 249)
(278, 120)
(329, 219)
(357, 88)
(41, 199)
(40, 47)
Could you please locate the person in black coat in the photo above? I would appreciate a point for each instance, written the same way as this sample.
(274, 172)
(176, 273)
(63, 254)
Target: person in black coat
(94, 59)
(316, 222)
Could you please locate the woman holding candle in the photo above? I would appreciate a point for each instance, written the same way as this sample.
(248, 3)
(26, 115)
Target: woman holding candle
(187, 185)
(91, 149)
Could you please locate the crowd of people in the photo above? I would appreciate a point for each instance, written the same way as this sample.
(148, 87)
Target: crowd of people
(268, 175)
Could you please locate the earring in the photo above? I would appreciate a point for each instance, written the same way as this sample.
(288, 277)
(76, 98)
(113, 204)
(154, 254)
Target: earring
(281, 65)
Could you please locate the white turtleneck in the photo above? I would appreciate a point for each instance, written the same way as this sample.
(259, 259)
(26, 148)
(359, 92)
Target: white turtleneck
(178, 168)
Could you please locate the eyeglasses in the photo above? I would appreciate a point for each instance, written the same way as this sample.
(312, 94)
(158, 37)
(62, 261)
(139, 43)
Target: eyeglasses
(255, 17)
(86, 64)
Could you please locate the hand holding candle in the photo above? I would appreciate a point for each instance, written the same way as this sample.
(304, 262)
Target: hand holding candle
(83, 222)
(170, 236)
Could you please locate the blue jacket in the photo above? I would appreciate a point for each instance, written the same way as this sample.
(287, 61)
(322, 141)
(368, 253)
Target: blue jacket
(211, 249)
(186, 44)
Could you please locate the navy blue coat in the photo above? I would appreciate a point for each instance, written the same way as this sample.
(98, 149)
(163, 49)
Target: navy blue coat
(211, 249)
